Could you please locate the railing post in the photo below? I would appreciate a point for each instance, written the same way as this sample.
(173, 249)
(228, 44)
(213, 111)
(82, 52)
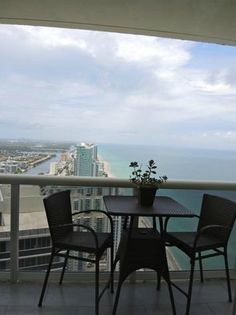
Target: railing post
(14, 264)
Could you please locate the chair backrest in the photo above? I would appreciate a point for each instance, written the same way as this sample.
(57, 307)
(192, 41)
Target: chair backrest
(58, 211)
(218, 211)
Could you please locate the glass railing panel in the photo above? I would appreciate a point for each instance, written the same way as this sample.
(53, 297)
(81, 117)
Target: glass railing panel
(5, 221)
(34, 237)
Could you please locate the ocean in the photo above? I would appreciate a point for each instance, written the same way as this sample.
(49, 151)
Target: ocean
(180, 163)
(175, 163)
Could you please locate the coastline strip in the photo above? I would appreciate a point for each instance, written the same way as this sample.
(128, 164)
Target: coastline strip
(106, 166)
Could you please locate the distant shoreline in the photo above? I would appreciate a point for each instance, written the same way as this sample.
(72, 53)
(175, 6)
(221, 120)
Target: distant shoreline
(107, 168)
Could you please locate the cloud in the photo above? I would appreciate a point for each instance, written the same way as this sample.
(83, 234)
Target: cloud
(106, 87)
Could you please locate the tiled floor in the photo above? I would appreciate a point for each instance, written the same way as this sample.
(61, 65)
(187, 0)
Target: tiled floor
(139, 299)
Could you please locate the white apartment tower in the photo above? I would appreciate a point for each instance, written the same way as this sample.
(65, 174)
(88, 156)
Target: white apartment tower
(86, 160)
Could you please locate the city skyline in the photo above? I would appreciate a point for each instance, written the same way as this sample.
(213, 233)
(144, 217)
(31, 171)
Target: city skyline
(103, 87)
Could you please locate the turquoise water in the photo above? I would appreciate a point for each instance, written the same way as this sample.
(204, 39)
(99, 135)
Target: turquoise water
(175, 163)
(194, 164)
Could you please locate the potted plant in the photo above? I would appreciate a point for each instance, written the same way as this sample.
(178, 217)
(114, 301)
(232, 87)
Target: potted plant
(146, 181)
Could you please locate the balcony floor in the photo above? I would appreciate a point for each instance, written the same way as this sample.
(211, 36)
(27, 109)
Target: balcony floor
(139, 299)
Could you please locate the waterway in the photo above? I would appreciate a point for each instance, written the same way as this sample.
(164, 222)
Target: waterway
(44, 167)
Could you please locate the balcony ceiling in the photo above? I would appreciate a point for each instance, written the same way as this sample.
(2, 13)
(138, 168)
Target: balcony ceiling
(201, 20)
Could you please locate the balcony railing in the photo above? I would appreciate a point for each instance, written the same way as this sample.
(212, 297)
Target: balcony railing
(41, 180)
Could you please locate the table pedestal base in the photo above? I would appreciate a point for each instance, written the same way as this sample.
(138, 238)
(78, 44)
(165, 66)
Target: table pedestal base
(138, 249)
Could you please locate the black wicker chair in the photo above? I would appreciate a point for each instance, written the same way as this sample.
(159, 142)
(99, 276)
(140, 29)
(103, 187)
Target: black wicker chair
(68, 236)
(215, 224)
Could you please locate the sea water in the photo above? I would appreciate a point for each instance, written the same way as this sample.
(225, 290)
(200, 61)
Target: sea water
(180, 163)
(176, 163)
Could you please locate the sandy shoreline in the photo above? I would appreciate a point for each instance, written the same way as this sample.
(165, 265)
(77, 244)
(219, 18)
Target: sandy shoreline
(173, 264)
(106, 165)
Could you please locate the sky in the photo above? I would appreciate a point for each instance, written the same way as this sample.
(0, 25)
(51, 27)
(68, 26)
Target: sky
(76, 85)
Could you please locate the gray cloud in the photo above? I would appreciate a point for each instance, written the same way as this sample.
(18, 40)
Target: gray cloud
(71, 84)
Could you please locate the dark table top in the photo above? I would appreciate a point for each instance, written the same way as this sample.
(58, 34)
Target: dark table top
(129, 206)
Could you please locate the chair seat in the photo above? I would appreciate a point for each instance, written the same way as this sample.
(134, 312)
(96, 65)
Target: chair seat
(185, 241)
(84, 241)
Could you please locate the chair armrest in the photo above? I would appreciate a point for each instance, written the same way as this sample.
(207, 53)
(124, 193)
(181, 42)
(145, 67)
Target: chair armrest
(97, 211)
(209, 228)
(79, 225)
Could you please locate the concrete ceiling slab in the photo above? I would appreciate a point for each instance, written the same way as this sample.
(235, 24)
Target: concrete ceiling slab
(202, 20)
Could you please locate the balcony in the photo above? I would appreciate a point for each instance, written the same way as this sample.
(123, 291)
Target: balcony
(210, 22)
(140, 299)
(21, 288)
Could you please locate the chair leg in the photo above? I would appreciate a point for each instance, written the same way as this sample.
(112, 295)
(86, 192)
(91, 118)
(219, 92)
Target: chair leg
(117, 297)
(227, 274)
(190, 287)
(171, 297)
(111, 281)
(234, 306)
(64, 267)
(46, 279)
(158, 281)
(200, 267)
(97, 287)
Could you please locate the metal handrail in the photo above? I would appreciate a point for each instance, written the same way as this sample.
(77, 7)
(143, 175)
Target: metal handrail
(112, 182)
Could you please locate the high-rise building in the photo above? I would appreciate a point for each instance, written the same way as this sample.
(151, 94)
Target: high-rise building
(86, 160)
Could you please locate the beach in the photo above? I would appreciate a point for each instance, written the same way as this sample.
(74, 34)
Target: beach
(106, 166)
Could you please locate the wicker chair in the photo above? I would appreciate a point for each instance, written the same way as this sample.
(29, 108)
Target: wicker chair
(68, 236)
(215, 224)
